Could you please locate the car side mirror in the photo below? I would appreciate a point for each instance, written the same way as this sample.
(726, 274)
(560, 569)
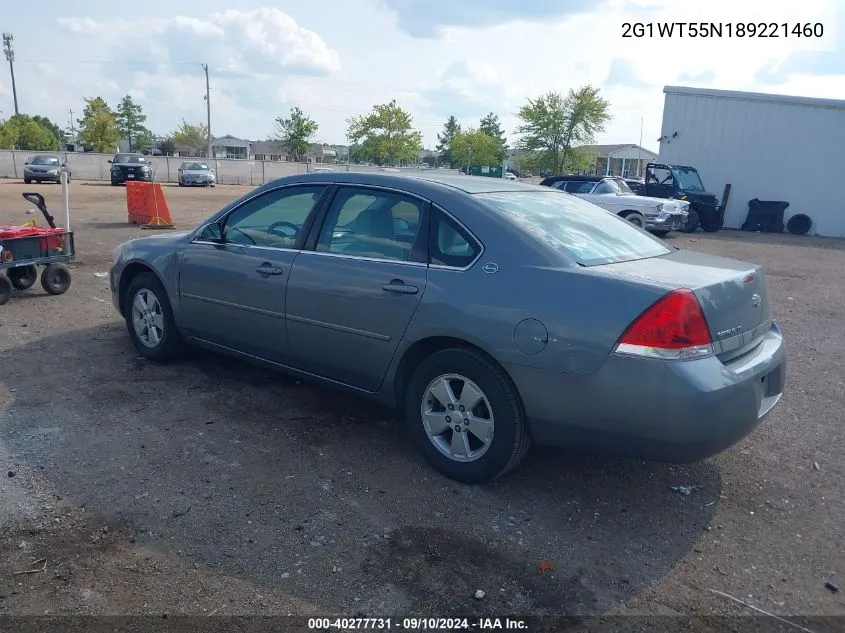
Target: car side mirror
(108, 161)
(26, 162)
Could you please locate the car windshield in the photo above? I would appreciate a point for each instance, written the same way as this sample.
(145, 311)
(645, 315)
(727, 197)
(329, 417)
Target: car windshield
(623, 186)
(195, 167)
(129, 158)
(584, 232)
(688, 179)
(45, 160)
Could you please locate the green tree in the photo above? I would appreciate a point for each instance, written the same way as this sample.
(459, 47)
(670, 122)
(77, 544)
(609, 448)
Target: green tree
(144, 140)
(450, 129)
(475, 147)
(554, 124)
(386, 134)
(47, 124)
(195, 137)
(98, 126)
(33, 133)
(295, 132)
(167, 146)
(130, 120)
(490, 125)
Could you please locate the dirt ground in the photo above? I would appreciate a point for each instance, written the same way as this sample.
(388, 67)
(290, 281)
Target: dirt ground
(212, 486)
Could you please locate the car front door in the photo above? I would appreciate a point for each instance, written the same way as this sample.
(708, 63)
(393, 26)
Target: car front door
(351, 298)
(233, 276)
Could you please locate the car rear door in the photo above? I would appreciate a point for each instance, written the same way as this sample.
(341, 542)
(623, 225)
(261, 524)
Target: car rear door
(352, 293)
(232, 286)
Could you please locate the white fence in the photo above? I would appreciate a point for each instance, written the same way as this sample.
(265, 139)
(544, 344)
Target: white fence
(90, 166)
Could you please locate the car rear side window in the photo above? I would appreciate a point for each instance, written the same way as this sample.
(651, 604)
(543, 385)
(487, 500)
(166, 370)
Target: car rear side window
(373, 223)
(585, 233)
(450, 244)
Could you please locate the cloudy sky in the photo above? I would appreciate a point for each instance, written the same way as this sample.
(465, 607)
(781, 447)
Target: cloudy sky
(336, 58)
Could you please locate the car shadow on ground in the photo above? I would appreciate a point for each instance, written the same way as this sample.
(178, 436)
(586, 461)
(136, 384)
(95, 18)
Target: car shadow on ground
(255, 475)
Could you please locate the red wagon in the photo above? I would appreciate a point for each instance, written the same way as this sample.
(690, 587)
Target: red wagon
(24, 248)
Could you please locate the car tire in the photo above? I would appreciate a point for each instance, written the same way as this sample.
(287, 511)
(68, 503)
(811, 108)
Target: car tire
(23, 277)
(691, 225)
(27, 181)
(499, 403)
(634, 217)
(55, 279)
(5, 289)
(166, 343)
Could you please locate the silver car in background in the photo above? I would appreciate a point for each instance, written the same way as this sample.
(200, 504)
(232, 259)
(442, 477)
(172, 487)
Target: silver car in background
(196, 174)
(491, 313)
(44, 169)
(613, 194)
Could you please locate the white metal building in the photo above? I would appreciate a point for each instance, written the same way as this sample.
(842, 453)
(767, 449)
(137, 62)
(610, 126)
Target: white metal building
(771, 147)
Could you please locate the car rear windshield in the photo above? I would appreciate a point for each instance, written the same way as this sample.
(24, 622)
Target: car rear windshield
(582, 231)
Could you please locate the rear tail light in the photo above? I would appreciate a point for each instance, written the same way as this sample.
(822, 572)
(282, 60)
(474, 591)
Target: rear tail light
(673, 328)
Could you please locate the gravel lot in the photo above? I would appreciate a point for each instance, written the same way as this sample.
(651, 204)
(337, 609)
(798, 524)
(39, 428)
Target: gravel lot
(212, 486)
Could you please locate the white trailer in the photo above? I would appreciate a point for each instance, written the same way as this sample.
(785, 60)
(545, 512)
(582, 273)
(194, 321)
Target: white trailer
(770, 147)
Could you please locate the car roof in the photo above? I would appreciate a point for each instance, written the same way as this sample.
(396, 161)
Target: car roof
(574, 177)
(412, 182)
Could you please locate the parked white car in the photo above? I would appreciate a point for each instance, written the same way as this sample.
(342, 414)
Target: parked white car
(656, 215)
(509, 176)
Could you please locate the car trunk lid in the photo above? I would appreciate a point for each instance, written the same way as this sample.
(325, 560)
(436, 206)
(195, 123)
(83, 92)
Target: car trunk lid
(733, 294)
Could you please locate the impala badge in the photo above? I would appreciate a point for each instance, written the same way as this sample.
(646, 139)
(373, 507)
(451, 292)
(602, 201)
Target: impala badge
(755, 300)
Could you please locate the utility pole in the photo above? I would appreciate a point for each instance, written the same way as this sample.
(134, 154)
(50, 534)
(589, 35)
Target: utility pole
(10, 55)
(208, 108)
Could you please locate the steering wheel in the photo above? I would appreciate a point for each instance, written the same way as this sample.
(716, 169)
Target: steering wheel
(273, 228)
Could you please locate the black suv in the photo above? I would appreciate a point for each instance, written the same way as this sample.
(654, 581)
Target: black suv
(130, 167)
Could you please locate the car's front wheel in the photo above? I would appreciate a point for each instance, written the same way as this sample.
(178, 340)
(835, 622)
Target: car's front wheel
(465, 417)
(149, 319)
(635, 218)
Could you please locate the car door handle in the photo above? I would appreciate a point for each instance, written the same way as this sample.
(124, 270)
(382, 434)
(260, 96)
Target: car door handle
(267, 269)
(399, 286)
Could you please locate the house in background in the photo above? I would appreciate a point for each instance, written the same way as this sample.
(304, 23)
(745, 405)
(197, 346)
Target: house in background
(625, 160)
(267, 150)
(229, 146)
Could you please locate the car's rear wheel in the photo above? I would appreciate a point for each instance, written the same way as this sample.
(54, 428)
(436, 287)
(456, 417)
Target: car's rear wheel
(27, 181)
(23, 277)
(465, 417)
(149, 319)
(635, 218)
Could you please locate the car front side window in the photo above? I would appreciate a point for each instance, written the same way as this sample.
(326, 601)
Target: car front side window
(274, 219)
(372, 223)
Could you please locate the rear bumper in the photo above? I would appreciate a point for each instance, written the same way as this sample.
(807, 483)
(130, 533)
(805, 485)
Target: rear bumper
(652, 409)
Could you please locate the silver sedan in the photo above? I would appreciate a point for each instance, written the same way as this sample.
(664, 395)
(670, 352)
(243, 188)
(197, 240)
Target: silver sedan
(492, 314)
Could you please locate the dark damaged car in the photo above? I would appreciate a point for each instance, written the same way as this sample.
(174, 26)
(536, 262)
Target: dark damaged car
(128, 167)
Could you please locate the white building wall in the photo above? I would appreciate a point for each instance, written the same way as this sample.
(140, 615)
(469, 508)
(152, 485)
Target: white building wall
(770, 147)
